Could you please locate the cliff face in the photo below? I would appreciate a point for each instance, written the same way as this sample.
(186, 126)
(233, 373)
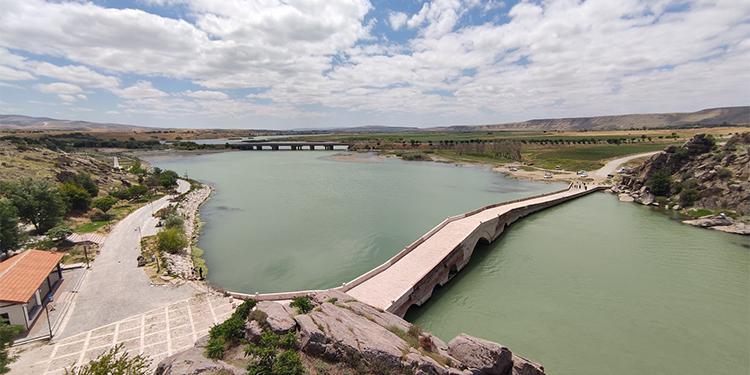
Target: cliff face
(698, 174)
(341, 335)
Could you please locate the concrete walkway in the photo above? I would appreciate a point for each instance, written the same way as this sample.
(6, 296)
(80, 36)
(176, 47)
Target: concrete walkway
(383, 289)
(115, 287)
(157, 334)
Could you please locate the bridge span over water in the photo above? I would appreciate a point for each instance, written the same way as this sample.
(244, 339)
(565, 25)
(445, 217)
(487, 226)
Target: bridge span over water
(409, 277)
(290, 146)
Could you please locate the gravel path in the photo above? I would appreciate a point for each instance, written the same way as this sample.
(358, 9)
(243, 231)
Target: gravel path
(115, 287)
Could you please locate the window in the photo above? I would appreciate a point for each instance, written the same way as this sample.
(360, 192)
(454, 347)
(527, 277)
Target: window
(4, 317)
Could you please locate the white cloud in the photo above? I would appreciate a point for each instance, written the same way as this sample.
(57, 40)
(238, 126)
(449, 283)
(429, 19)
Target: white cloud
(10, 74)
(140, 90)
(205, 94)
(397, 20)
(556, 57)
(59, 88)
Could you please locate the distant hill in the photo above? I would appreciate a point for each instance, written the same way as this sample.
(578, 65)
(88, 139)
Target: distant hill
(20, 122)
(706, 117)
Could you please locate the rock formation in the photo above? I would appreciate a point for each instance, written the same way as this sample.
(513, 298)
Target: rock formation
(341, 331)
(698, 174)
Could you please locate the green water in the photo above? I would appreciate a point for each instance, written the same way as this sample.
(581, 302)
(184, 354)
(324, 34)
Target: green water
(596, 286)
(283, 221)
(593, 286)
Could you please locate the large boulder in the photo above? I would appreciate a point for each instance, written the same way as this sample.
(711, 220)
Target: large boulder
(278, 317)
(522, 366)
(193, 362)
(481, 356)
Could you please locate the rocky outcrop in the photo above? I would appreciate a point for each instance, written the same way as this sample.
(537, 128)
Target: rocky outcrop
(342, 330)
(721, 223)
(698, 174)
(481, 356)
(193, 362)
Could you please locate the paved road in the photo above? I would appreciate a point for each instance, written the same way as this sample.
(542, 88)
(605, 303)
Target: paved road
(612, 165)
(115, 287)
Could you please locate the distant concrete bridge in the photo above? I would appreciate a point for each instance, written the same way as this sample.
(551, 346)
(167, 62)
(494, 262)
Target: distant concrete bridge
(290, 146)
(409, 277)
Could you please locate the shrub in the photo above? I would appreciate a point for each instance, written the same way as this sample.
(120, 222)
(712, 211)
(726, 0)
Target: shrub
(688, 196)
(724, 173)
(114, 362)
(174, 221)
(171, 240)
(59, 232)
(215, 348)
(99, 215)
(303, 304)
(660, 182)
(288, 363)
(244, 309)
(104, 203)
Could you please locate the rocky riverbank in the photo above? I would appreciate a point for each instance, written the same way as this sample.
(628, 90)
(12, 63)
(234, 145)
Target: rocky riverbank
(183, 264)
(699, 176)
(340, 335)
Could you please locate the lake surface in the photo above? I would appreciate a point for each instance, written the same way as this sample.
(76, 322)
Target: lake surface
(283, 221)
(596, 286)
(593, 286)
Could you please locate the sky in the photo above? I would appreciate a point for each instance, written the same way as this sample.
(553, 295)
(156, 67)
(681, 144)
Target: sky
(335, 63)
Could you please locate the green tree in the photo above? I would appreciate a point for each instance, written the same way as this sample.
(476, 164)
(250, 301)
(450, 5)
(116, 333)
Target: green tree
(115, 361)
(7, 333)
(10, 235)
(76, 197)
(171, 240)
(104, 203)
(660, 182)
(38, 202)
(174, 221)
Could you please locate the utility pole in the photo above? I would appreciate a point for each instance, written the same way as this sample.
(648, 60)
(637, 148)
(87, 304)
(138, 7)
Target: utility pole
(49, 325)
(86, 254)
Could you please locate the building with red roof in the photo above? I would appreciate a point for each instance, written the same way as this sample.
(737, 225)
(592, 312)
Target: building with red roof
(27, 281)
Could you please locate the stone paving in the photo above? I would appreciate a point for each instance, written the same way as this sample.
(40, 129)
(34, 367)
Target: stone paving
(157, 333)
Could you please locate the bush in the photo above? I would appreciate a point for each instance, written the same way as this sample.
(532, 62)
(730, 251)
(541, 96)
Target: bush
(215, 348)
(99, 215)
(171, 240)
(724, 173)
(59, 232)
(303, 304)
(244, 309)
(288, 363)
(114, 362)
(660, 182)
(688, 196)
(267, 361)
(76, 197)
(174, 221)
(104, 203)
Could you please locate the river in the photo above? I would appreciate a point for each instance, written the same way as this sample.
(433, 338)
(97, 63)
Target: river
(593, 286)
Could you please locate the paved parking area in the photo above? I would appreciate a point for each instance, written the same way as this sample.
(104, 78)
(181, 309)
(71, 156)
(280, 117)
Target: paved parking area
(157, 333)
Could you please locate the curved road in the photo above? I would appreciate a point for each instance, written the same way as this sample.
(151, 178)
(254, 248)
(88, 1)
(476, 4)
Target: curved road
(115, 287)
(612, 165)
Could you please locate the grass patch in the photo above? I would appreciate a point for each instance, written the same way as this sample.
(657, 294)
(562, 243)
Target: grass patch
(586, 157)
(92, 226)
